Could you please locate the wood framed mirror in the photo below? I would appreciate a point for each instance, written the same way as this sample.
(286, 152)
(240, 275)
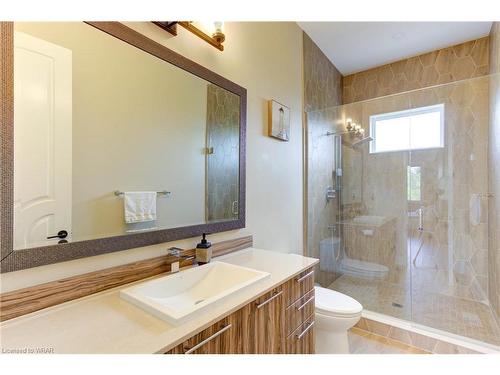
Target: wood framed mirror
(141, 118)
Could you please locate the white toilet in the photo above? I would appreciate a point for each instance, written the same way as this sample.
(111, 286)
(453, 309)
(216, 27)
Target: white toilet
(335, 314)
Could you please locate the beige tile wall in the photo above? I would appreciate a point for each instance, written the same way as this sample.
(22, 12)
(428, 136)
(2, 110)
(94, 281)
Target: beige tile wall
(322, 89)
(322, 80)
(494, 173)
(466, 60)
(222, 175)
(385, 175)
(450, 175)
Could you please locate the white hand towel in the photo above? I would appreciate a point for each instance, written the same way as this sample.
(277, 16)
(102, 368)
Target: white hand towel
(140, 206)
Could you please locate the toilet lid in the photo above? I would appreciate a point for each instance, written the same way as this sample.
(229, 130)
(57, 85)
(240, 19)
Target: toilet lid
(330, 302)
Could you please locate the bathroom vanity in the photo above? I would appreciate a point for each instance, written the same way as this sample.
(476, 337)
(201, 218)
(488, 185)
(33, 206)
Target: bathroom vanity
(173, 106)
(274, 315)
(279, 322)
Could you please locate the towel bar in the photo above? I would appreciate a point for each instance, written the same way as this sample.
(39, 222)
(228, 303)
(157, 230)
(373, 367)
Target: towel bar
(119, 193)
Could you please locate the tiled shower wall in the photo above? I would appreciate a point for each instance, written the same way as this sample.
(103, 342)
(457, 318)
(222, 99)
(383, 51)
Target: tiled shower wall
(322, 89)
(463, 61)
(223, 116)
(494, 171)
(466, 274)
(463, 260)
(322, 80)
(450, 176)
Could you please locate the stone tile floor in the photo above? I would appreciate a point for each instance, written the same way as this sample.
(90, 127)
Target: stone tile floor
(362, 342)
(460, 316)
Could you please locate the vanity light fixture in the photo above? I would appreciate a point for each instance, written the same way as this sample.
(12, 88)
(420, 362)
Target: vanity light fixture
(216, 39)
(352, 127)
(349, 124)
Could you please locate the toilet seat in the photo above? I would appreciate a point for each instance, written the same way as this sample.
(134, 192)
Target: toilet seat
(331, 303)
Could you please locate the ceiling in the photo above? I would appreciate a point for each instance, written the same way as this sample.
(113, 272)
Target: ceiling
(357, 46)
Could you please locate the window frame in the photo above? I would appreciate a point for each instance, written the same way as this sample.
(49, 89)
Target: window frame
(435, 108)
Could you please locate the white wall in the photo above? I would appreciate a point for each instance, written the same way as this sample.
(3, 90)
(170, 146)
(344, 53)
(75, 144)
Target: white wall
(266, 59)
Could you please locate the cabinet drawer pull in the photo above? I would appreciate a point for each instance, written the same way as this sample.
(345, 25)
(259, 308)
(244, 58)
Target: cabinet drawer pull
(199, 345)
(300, 279)
(305, 303)
(309, 326)
(269, 299)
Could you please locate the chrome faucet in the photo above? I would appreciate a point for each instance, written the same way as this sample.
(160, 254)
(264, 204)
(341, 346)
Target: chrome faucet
(177, 252)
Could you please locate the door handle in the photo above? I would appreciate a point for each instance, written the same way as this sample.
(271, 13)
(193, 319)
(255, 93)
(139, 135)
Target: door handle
(60, 234)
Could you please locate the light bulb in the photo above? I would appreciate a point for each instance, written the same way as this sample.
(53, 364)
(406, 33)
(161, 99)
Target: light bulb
(349, 125)
(218, 26)
(218, 35)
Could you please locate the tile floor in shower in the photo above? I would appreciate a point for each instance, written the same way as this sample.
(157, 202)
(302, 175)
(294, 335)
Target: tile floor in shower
(456, 315)
(424, 296)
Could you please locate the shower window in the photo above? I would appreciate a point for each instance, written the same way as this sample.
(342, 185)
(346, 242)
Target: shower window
(413, 129)
(414, 178)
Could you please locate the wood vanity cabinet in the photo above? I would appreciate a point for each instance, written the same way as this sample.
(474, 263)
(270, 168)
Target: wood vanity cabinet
(264, 325)
(224, 337)
(278, 322)
(299, 314)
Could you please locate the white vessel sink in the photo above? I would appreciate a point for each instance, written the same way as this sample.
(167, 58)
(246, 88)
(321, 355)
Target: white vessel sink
(181, 296)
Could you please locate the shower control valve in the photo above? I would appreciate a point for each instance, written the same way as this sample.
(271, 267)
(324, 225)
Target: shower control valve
(331, 193)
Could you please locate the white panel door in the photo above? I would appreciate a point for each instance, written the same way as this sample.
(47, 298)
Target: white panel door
(42, 141)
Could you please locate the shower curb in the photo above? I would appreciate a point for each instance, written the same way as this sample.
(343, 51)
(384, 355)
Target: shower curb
(411, 338)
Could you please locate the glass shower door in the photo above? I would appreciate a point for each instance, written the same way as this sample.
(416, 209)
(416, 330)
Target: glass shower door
(448, 221)
(407, 231)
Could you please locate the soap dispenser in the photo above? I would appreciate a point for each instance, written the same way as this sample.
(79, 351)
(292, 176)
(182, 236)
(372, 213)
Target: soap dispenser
(203, 251)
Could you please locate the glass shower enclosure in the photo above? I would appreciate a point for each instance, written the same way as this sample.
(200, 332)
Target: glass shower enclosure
(397, 212)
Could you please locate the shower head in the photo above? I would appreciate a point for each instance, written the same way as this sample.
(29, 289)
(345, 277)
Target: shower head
(362, 141)
(337, 133)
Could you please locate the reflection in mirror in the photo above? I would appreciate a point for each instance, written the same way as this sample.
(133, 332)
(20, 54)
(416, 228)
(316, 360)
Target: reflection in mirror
(95, 115)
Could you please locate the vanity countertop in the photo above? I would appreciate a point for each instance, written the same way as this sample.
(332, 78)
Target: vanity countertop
(105, 323)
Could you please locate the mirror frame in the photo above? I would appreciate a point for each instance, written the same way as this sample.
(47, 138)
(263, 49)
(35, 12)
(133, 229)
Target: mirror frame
(38, 256)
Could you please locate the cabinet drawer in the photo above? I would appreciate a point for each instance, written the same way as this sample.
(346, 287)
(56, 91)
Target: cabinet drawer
(216, 339)
(301, 341)
(263, 324)
(297, 313)
(299, 286)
